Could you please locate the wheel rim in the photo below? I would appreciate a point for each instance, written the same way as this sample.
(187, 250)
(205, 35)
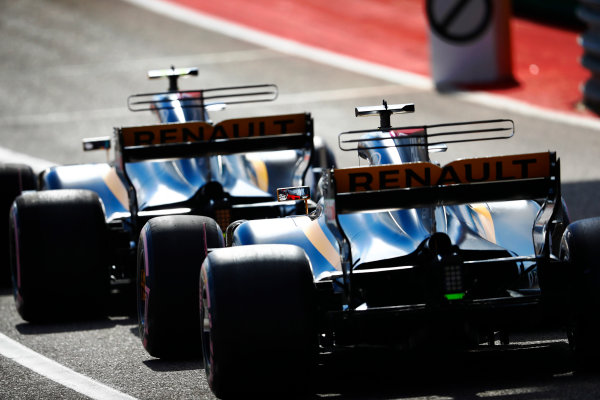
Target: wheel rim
(14, 254)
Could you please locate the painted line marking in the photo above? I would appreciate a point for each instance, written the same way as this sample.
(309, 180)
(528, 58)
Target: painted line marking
(339, 94)
(283, 99)
(64, 117)
(86, 69)
(286, 46)
(56, 372)
(542, 391)
(416, 81)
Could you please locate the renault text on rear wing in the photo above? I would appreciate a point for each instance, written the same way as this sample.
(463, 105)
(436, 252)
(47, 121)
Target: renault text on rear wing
(194, 139)
(423, 184)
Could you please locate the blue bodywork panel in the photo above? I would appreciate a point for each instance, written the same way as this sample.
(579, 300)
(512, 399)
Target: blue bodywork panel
(157, 183)
(382, 235)
(101, 178)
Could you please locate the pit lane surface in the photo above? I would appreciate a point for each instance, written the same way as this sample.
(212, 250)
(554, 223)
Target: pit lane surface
(108, 351)
(67, 68)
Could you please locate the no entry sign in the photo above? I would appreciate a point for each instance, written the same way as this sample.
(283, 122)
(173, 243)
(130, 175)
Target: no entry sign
(459, 20)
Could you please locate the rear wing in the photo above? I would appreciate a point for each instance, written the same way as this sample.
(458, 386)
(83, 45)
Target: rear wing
(423, 184)
(196, 139)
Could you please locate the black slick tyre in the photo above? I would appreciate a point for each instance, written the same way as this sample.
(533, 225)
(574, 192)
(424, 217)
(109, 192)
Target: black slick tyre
(14, 180)
(579, 248)
(59, 263)
(258, 311)
(171, 250)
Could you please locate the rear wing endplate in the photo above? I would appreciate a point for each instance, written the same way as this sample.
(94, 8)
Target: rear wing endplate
(196, 139)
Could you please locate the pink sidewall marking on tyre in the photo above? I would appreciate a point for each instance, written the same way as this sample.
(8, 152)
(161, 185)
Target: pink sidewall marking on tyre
(146, 288)
(18, 255)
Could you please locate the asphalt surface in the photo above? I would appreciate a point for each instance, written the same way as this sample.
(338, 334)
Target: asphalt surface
(66, 69)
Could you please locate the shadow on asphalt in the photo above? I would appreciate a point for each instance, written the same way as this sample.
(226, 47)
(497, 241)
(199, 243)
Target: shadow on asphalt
(522, 371)
(533, 371)
(121, 311)
(159, 365)
(27, 328)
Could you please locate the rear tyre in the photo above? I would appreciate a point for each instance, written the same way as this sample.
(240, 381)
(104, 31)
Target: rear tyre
(59, 263)
(171, 250)
(258, 311)
(579, 248)
(14, 179)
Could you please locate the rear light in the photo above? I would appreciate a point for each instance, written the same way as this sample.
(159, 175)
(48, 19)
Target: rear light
(453, 282)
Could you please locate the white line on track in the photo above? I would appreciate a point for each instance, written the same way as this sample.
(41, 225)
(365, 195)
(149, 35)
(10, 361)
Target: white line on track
(514, 392)
(340, 94)
(64, 117)
(57, 372)
(222, 26)
(127, 65)
(287, 98)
